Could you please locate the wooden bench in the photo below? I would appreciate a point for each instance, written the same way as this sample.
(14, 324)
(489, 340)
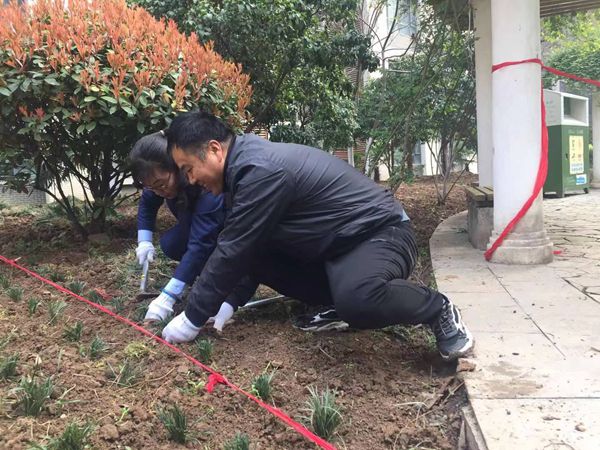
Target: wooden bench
(480, 217)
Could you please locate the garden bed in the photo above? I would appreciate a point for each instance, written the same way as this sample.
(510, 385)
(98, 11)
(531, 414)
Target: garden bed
(392, 389)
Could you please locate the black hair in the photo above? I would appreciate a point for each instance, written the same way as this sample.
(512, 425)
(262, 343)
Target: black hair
(191, 131)
(149, 154)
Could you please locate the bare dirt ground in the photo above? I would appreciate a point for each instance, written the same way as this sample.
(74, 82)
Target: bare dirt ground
(393, 391)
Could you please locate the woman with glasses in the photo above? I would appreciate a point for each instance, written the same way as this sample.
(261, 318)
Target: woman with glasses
(200, 216)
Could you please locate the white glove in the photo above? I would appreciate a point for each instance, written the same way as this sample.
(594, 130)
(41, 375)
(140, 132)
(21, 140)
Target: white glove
(160, 308)
(180, 329)
(144, 251)
(222, 317)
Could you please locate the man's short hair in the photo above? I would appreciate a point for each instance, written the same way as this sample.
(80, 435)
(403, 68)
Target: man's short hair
(191, 131)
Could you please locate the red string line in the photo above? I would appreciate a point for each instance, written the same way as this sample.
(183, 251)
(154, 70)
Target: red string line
(213, 379)
(543, 165)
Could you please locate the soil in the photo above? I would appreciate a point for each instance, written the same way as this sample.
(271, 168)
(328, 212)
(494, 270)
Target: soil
(393, 390)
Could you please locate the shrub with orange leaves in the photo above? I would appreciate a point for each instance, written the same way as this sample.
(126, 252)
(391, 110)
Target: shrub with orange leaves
(78, 85)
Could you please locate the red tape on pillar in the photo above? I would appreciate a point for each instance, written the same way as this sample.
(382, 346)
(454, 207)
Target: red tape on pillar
(543, 166)
(213, 379)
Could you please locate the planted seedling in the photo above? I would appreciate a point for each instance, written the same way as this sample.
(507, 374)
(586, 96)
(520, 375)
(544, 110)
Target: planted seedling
(5, 340)
(240, 441)
(95, 297)
(324, 415)
(176, 423)
(73, 333)
(57, 277)
(139, 314)
(97, 347)
(159, 325)
(136, 350)
(204, 350)
(55, 310)
(125, 412)
(32, 305)
(8, 366)
(261, 386)
(33, 394)
(4, 281)
(126, 375)
(76, 287)
(15, 293)
(194, 387)
(118, 304)
(75, 437)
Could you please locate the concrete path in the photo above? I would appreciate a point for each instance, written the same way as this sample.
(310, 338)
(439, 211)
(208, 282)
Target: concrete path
(537, 329)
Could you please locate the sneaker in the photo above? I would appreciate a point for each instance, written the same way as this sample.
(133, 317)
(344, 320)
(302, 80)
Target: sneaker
(453, 337)
(323, 321)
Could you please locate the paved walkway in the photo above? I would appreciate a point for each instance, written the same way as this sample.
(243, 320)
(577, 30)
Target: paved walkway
(537, 328)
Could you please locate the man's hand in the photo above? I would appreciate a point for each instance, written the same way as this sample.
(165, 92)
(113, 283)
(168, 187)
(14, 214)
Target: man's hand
(180, 329)
(160, 308)
(144, 251)
(222, 317)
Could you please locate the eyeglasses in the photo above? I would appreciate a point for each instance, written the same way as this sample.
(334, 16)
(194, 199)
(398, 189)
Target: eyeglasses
(161, 185)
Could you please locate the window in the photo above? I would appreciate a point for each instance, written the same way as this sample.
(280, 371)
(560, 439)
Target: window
(406, 16)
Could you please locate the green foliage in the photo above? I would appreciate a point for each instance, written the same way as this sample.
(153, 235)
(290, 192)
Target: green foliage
(5, 340)
(296, 53)
(75, 97)
(97, 348)
(15, 293)
(176, 423)
(261, 386)
(204, 350)
(427, 95)
(136, 350)
(74, 437)
(8, 366)
(4, 281)
(240, 441)
(32, 305)
(73, 333)
(573, 45)
(95, 297)
(57, 277)
(77, 287)
(33, 394)
(323, 414)
(56, 309)
(127, 374)
(118, 304)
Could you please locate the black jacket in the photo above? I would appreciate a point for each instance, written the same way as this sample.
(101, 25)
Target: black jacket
(299, 200)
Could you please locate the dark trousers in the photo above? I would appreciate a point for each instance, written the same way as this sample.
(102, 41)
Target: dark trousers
(367, 285)
(174, 241)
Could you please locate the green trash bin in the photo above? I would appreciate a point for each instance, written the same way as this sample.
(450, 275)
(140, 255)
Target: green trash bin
(567, 118)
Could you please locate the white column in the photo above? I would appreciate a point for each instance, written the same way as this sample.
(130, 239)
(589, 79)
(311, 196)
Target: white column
(516, 124)
(596, 139)
(483, 89)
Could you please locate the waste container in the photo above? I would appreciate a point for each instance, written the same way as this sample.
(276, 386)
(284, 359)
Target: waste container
(567, 118)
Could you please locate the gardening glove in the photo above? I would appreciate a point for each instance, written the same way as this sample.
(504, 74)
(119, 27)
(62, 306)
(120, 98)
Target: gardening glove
(160, 308)
(144, 251)
(180, 329)
(222, 317)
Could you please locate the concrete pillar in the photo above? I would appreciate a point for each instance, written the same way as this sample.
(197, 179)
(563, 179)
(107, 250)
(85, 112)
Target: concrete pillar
(483, 89)
(596, 139)
(516, 125)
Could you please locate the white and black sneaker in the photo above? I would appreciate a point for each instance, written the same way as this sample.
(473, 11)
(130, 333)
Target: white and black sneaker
(453, 337)
(324, 321)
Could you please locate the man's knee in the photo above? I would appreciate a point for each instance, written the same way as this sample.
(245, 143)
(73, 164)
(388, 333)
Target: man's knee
(359, 303)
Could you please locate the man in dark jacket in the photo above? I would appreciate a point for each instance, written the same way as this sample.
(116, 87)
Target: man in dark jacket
(308, 225)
